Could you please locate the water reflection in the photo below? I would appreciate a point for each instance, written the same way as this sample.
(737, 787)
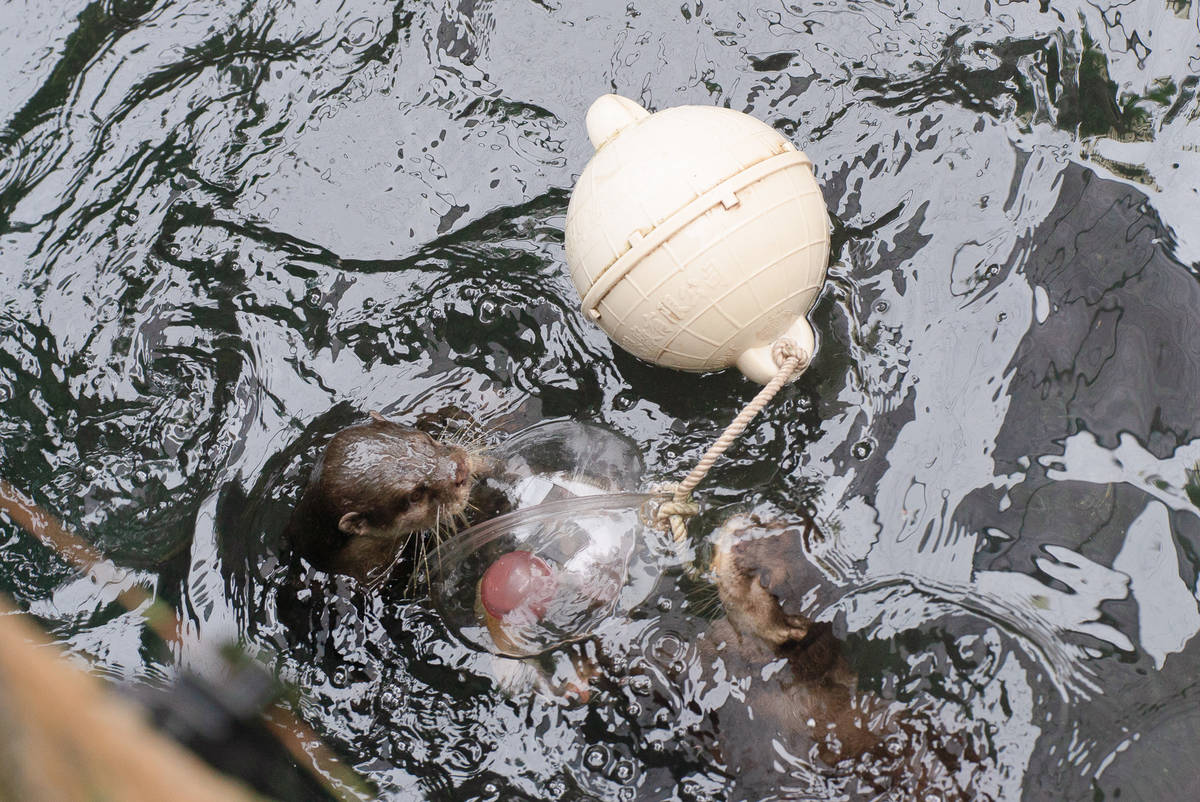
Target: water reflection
(225, 231)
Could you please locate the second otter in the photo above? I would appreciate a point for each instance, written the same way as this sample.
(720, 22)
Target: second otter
(771, 592)
(377, 484)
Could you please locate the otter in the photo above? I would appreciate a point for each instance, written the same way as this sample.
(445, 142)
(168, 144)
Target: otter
(754, 558)
(375, 485)
(771, 592)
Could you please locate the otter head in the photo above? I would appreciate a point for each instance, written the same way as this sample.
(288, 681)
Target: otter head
(375, 484)
(765, 580)
(386, 480)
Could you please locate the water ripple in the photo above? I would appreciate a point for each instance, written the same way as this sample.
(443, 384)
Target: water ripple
(228, 231)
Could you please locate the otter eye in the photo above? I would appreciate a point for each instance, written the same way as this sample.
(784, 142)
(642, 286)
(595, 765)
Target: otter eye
(419, 494)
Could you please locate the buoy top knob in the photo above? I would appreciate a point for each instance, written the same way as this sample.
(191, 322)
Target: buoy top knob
(609, 115)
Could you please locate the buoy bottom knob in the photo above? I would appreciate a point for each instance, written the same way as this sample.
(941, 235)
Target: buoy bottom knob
(760, 364)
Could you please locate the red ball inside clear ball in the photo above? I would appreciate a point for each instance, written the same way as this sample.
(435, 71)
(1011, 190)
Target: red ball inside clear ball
(517, 581)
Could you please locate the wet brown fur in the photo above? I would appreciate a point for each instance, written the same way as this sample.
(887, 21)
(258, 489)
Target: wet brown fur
(752, 561)
(770, 590)
(376, 485)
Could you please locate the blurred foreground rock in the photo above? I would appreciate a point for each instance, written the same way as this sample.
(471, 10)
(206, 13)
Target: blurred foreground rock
(65, 737)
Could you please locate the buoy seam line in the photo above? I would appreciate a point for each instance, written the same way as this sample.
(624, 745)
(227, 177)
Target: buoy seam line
(716, 240)
(716, 302)
(715, 306)
(615, 272)
(676, 511)
(719, 346)
(662, 233)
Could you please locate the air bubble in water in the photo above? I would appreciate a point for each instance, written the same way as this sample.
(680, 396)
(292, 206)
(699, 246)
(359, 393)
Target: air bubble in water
(595, 757)
(667, 648)
(359, 33)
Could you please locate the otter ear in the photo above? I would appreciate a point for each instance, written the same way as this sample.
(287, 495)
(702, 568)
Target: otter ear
(353, 524)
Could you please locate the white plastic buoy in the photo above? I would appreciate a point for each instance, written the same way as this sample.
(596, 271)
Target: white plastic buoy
(697, 237)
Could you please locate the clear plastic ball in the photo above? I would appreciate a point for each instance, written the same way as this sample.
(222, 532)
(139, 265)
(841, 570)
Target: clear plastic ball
(574, 552)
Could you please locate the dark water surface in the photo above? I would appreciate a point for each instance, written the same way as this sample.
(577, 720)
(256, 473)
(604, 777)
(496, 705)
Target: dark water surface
(228, 229)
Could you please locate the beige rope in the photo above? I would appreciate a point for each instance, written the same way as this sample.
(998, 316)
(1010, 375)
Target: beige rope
(681, 507)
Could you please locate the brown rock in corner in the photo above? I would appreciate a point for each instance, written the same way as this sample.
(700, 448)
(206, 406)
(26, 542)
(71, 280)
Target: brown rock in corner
(64, 736)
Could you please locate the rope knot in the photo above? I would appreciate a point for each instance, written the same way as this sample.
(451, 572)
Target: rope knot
(672, 513)
(672, 509)
(786, 348)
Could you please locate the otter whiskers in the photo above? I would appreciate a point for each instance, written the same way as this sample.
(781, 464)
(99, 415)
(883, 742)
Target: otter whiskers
(447, 522)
